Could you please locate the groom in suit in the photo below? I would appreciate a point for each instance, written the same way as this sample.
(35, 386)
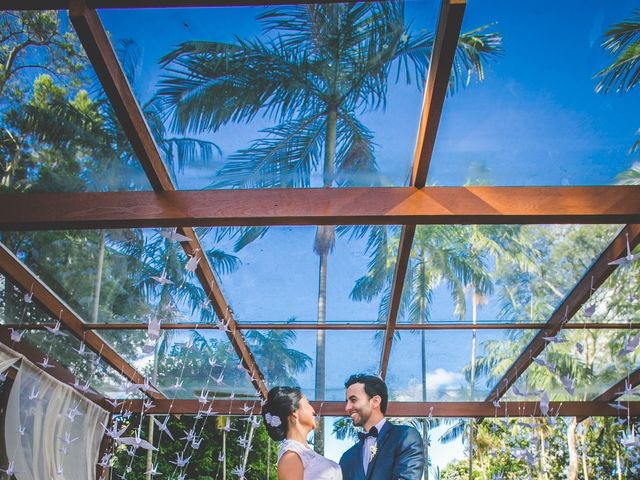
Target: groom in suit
(385, 451)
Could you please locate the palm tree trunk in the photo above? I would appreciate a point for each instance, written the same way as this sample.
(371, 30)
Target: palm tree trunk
(245, 457)
(585, 467)
(543, 455)
(423, 354)
(323, 248)
(474, 320)
(268, 457)
(321, 350)
(154, 380)
(98, 286)
(573, 450)
(618, 464)
(224, 455)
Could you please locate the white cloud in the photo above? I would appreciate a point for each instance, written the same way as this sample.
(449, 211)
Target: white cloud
(439, 379)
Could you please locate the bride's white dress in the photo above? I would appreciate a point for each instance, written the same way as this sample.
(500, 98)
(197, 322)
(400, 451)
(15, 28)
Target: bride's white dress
(316, 467)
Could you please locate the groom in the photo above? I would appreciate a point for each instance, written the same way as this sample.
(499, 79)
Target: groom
(385, 451)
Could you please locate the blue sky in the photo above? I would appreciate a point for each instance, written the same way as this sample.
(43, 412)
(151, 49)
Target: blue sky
(535, 120)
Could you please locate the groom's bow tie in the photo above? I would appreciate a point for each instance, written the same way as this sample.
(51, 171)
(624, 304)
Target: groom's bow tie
(371, 433)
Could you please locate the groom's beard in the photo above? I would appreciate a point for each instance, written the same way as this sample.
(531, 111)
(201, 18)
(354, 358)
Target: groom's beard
(358, 419)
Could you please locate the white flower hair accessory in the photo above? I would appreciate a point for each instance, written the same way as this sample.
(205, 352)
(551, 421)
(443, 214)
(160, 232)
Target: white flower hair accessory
(273, 420)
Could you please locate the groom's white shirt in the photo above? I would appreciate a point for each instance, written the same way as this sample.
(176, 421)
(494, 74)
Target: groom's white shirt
(368, 443)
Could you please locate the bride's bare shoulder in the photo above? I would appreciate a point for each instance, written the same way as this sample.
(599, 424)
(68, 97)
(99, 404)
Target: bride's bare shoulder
(290, 466)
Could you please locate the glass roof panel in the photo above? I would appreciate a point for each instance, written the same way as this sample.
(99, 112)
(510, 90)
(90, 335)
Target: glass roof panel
(55, 117)
(276, 276)
(236, 98)
(615, 301)
(186, 363)
(537, 118)
(582, 367)
(445, 356)
(65, 350)
(114, 275)
(287, 357)
(497, 273)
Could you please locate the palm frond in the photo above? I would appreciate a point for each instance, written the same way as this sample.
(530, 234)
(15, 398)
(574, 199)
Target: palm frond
(210, 84)
(631, 176)
(284, 158)
(222, 262)
(623, 42)
(355, 162)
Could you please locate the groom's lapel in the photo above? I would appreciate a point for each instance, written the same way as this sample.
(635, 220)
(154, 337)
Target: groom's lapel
(383, 436)
(359, 467)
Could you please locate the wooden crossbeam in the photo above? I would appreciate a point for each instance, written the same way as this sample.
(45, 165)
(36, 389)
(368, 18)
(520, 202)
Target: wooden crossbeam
(334, 206)
(453, 326)
(21, 276)
(108, 69)
(400, 409)
(440, 65)
(617, 390)
(593, 278)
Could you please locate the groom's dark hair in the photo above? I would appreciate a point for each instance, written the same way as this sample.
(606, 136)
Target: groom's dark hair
(373, 385)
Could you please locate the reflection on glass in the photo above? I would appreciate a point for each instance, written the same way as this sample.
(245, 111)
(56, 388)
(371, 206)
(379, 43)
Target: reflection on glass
(540, 116)
(59, 132)
(579, 365)
(118, 275)
(285, 357)
(496, 273)
(276, 98)
(276, 279)
(451, 365)
(615, 301)
(185, 364)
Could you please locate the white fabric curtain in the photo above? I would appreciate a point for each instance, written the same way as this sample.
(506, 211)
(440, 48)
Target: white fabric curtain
(51, 431)
(7, 357)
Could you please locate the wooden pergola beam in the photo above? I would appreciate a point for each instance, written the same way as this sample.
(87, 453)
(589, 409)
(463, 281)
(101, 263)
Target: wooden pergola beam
(402, 263)
(617, 390)
(334, 206)
(593, 278)
(439, 76)
(400, 409)
(453, 326)
(56, 370)
(22, 277)
(108, 69)
(440, 65)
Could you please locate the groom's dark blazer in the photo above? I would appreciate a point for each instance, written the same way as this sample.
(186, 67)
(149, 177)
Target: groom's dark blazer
(400, 456)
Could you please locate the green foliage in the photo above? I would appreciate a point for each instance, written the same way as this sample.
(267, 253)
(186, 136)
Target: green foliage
(35, 42)
(204, 464)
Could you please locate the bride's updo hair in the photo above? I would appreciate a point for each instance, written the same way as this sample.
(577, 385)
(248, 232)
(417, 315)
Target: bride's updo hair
(281, 402)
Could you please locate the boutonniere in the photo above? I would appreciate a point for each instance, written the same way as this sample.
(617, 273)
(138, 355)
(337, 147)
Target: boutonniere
(373, 449)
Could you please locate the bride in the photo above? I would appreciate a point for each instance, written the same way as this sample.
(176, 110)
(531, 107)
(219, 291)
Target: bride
(289, 418)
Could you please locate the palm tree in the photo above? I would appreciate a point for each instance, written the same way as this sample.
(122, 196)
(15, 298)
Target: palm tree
(324, 63)
(278, 360)
(622, 41)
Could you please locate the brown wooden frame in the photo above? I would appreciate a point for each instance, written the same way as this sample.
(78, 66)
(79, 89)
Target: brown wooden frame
(407, 206)
(56, 370)
(593, 278)
(335, 206)
(439, 76)
(345, 326)
(105, 62)
(22, 277)
(404, 409)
